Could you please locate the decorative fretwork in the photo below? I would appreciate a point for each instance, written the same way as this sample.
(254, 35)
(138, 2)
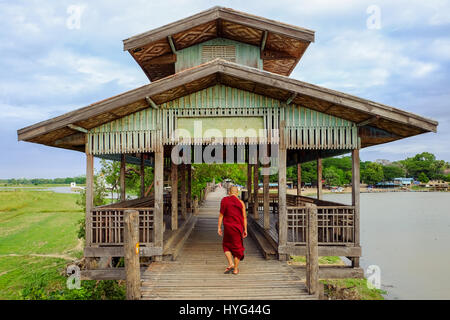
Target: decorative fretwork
(322, 137)
(135, 141)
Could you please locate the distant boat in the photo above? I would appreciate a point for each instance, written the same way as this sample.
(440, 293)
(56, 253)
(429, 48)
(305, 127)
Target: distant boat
(74, 187)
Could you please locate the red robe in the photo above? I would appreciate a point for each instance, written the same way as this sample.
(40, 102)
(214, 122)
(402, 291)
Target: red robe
(233, 223)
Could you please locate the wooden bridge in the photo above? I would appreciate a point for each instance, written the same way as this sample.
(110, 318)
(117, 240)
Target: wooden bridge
(197, 272)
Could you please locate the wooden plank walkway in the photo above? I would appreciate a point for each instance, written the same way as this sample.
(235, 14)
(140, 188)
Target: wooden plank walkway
(198, 271)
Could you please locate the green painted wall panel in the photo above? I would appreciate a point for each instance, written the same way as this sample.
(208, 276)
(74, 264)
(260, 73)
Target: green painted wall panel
(221, 97)
(246, 54)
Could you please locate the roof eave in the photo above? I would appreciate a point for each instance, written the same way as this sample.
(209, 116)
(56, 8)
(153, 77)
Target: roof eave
(213, 14)
(238, 71)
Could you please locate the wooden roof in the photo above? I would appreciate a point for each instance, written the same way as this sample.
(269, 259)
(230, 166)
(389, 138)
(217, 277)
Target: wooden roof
(379, 123)
(282, 45)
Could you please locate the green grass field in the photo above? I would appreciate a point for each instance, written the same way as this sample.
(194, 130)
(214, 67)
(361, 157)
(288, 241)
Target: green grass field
(38, 237)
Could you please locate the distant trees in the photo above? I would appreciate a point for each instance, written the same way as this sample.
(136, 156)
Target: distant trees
(426, 163)
(372, 173)
(39, 181)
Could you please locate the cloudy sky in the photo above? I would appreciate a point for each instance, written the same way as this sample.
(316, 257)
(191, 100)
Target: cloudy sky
(51, 62)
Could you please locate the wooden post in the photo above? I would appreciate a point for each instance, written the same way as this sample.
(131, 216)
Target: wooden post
(131, 250)
(266, 198)
(159, 203)
(249, 181)
(174, 195)
(89, 196)
(282, 209)
(299, 179)
(319, 178)
(355, 200)
(123, 192)
(183, 190)
(196, 206)
(142, 176)
(255, 190)
(312, 250)
(189, 186)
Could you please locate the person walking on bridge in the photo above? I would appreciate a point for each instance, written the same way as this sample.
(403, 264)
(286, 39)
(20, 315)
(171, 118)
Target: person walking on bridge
(234, 218)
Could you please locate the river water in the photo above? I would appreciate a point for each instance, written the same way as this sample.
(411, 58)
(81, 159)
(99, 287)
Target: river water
(406, 234)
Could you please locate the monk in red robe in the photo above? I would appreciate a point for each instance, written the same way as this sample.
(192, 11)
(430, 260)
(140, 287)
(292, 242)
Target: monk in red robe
(234, 218)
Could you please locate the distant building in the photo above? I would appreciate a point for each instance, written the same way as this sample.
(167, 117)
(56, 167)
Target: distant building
(404, 181)
(384, 162)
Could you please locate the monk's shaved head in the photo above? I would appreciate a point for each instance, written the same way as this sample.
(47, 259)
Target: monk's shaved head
(234, 190)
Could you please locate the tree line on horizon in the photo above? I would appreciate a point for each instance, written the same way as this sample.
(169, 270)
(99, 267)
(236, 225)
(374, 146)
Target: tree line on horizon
(336, 172)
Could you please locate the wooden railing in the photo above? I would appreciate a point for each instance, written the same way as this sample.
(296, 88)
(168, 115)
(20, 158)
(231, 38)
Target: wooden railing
(336, 221)
(106, 226)
(335, 225)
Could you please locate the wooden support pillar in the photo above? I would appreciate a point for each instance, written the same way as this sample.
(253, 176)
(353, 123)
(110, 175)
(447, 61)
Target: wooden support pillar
(299, 179)
(312, 249)
(319, 178)
(89, 196)
(142, 172)
(183, 190)
(355, 200)
(131, 253)
(249, 182)
(123, 193)
(189, 186)
(174, 195)
(255, 190)
(266, 197)
(159, 203)
(282, 209)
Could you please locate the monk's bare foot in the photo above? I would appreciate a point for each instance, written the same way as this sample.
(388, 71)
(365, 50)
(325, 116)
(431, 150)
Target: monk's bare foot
(235, 271)
(229, 269)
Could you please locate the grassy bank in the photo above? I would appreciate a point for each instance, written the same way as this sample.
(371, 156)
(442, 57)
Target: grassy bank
(347, 289)
(351, 289)
(38, 238)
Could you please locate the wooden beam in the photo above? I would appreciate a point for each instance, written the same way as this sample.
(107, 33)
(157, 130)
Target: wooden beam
(368, 121)
(356, 199)
(131, 250)
(77, 128)
(342, 251)
(159, 203)
(123, 192)
(255, 189)
(264, 40)
(117, 251)
(183, 190)
(174, 195)
(312, 250)
(292, 97)
(151, 103)
(172, 44)
(266, 197)
(282, 209)
(249, 182)
(89, 196)
(189, 186)
(142, 175)
(299, 179)
(319, 178)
